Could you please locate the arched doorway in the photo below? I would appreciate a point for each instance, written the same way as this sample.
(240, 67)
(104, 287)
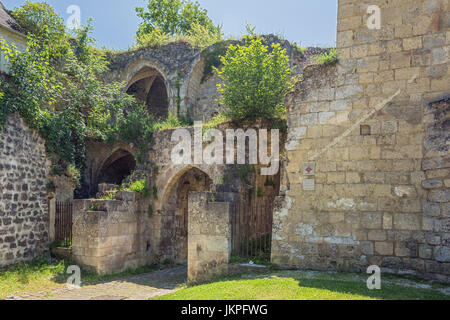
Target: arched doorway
(117, 167)
(176, 211)
(149, 87)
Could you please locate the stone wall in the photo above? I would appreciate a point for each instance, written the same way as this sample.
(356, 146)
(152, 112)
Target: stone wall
(110, 236)
(209, 236)
(182, 67)
(23, 194)
(353, 190)
(436, 166)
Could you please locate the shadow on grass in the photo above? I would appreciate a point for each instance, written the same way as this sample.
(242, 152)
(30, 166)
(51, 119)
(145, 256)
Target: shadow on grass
(387, 291)
(275, 286)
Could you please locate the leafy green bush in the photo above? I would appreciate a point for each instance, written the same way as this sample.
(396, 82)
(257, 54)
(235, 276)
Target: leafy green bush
(298, 49)
(154, 38)
(326, 58)
(140, 186)
(172, 122)
(174, 17)
(256, 80)
(212, 60)
(164, 21)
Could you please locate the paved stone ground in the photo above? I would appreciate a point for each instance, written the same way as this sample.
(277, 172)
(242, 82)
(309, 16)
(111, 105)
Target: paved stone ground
(137, 287)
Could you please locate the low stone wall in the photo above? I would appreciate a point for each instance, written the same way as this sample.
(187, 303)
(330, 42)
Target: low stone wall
(107, 234)
(23, 194)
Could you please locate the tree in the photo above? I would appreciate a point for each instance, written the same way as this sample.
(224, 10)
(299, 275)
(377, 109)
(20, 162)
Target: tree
(173, 17)
(41, 20)
(255, 80)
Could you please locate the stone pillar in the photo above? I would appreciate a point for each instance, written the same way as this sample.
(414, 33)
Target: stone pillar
(51, 217)
(209, 236)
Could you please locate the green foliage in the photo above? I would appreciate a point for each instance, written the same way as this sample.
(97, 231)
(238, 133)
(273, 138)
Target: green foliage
(256, 80)
(269, 182)
(304, 285)
(203, 36)
(260, 192)
(170, 20)
(41, 20)
(172, 122)
(243, 171)
(326, 58)
(66, 243)
(56, 87)
(140, 186)
(109, 195)
(212, 58)
(298, 50)
(135, 126)
(173, 17)
(215, 122)
(154, 38)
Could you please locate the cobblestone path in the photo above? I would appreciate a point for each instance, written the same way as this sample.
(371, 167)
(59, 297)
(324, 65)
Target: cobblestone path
(136, 287)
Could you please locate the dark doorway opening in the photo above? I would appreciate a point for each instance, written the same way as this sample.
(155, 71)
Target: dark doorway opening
(117, 167)
(149, 87)
(176, 210)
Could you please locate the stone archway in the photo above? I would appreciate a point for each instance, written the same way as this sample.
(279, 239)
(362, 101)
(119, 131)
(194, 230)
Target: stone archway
(175, 211)
(116, 167)
(149, 86)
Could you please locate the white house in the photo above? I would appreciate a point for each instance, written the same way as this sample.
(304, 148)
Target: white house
(11, 32)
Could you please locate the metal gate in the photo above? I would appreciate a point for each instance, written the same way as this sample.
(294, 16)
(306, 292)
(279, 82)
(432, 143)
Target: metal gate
(252, 230)
(63, 222)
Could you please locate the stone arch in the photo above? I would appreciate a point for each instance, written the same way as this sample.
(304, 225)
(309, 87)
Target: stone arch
(175, 209)
(194, 84)
(201, 93)
(147, 83)
(116, 167)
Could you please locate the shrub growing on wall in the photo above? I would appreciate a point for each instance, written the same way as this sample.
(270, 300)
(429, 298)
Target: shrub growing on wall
(256, 80)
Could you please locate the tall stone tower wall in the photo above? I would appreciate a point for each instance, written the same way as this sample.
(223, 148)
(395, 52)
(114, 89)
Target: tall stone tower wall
(366, 179)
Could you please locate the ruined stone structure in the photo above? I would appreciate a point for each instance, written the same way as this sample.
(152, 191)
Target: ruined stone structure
(364, 177)
(173, 78)
(376, 129)
(24, 230)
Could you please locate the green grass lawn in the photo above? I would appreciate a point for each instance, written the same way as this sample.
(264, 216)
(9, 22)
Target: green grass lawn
(302, 286)
(40, 275)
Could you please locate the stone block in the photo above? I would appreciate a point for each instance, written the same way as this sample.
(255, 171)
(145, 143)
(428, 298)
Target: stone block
(404, 221)
(384, 248)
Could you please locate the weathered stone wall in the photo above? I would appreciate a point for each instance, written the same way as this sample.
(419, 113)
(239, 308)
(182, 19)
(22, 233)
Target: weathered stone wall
(436, 166)
(209, 237)
(23, 194)
(181, 66)
(111, 235)
(363, 124)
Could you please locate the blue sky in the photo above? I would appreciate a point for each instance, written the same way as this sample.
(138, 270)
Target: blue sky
(307, 22)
